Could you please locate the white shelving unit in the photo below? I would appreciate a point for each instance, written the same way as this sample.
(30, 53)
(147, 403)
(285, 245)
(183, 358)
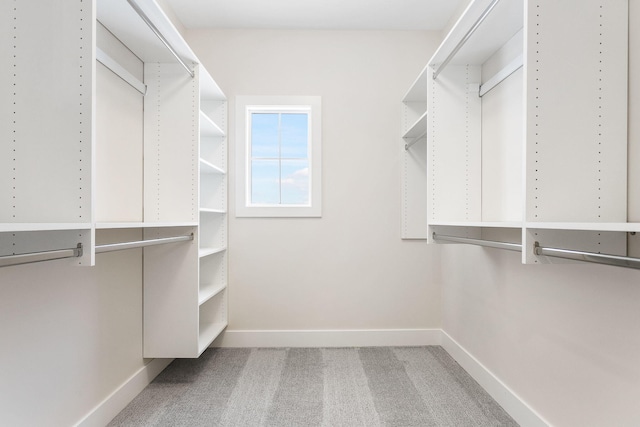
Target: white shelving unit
(158, 162)
(527, 125)
(414, 162)
(185, 115)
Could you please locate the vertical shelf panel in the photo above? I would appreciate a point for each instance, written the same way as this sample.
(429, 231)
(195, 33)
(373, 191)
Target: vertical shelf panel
(576, 111)
(46, 108)
(454, 153)
(171, 144)
(170, 295)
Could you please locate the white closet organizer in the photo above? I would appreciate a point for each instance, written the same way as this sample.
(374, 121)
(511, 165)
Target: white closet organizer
(60, 183)
(414, 162)
(527, 127)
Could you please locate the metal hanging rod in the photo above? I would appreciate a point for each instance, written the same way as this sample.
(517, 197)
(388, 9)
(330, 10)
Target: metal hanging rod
(416, 139)
(32, 257)
(466, 37)
(158, 34)
(619, 261)
(141, 243)
(479, 242)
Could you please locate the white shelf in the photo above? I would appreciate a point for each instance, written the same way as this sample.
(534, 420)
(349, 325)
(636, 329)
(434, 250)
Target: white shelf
(213, 211)
(418, 129)
(208, 127)
(491, 224)
(17, 227)
(504, 21)
(209, 89)
(115, 225)
(418, 90)
(203, 252)
(207, 294)
(208, 333)
(206, 167)
(586, 226)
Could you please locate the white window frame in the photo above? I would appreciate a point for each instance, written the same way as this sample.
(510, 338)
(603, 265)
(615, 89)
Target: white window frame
(245, 105)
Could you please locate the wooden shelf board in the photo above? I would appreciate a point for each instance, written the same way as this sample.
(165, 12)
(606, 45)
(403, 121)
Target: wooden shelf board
(208, 127)
(203, 252)
(207, 293)
(213, 211)
(208, 333)
(480, 224)
(207, 167)
(418, 128)
(586, 226)
(113, 225)
(45, 226)
(209, 89)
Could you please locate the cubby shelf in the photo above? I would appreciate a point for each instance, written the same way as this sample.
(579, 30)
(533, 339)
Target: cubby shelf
(213, 211)
(208, 127)
(480, 224)
(208, 333)
(206, 294)
(206, 167)
(205, 252)
(418, 129)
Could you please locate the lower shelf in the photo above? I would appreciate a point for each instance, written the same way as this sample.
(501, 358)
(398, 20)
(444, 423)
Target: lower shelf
(208, 333)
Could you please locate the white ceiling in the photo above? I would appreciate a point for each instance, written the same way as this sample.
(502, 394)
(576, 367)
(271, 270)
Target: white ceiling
(316, 14)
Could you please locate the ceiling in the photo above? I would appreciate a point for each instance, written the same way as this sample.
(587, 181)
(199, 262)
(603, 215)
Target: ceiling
(316, 14)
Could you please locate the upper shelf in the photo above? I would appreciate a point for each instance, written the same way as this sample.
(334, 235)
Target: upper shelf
(123, 21)
(209, 89)
(586, 226)
(495, 22)
(37, 226)
(419, 128)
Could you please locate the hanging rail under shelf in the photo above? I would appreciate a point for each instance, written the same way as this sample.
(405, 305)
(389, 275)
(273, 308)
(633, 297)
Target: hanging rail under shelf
(158, 34)
(619, 261)
(8, 260)
(466, 37)
(141, 243)
(479, 242)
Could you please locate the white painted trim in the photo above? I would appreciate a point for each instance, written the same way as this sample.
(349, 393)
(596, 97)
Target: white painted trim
(106, 410)
(328, 338)
(510, 401)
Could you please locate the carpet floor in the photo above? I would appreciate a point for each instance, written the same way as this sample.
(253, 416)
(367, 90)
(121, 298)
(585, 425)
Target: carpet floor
(332, 387)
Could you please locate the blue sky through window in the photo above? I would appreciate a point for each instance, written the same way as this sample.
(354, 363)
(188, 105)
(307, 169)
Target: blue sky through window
(280, 158)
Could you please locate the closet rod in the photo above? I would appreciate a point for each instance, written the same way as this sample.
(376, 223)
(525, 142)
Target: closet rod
(619, 261)
(29, 258)
(416, 139)
(141, 243)
(158, 34)
(466, 37)
(479, 242)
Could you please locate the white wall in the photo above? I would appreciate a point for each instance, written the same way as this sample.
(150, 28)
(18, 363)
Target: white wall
(565, 338)
(349, 269)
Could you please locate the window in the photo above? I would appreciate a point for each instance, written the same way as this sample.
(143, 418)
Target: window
(278, 157)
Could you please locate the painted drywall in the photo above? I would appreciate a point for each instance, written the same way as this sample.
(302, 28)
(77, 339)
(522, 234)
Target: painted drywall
(71, 336)
(348, 269)
(563, 337)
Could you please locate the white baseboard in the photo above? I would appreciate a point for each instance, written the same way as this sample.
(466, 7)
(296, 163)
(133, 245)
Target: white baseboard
(510, 402)
(328, 338)
(120, 398)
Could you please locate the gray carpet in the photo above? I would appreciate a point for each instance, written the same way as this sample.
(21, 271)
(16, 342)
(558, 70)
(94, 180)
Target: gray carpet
(332, 387)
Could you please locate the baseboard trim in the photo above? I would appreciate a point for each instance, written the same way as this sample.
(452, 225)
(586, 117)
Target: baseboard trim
(106, 410)
(510, 401)
(328, 338)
